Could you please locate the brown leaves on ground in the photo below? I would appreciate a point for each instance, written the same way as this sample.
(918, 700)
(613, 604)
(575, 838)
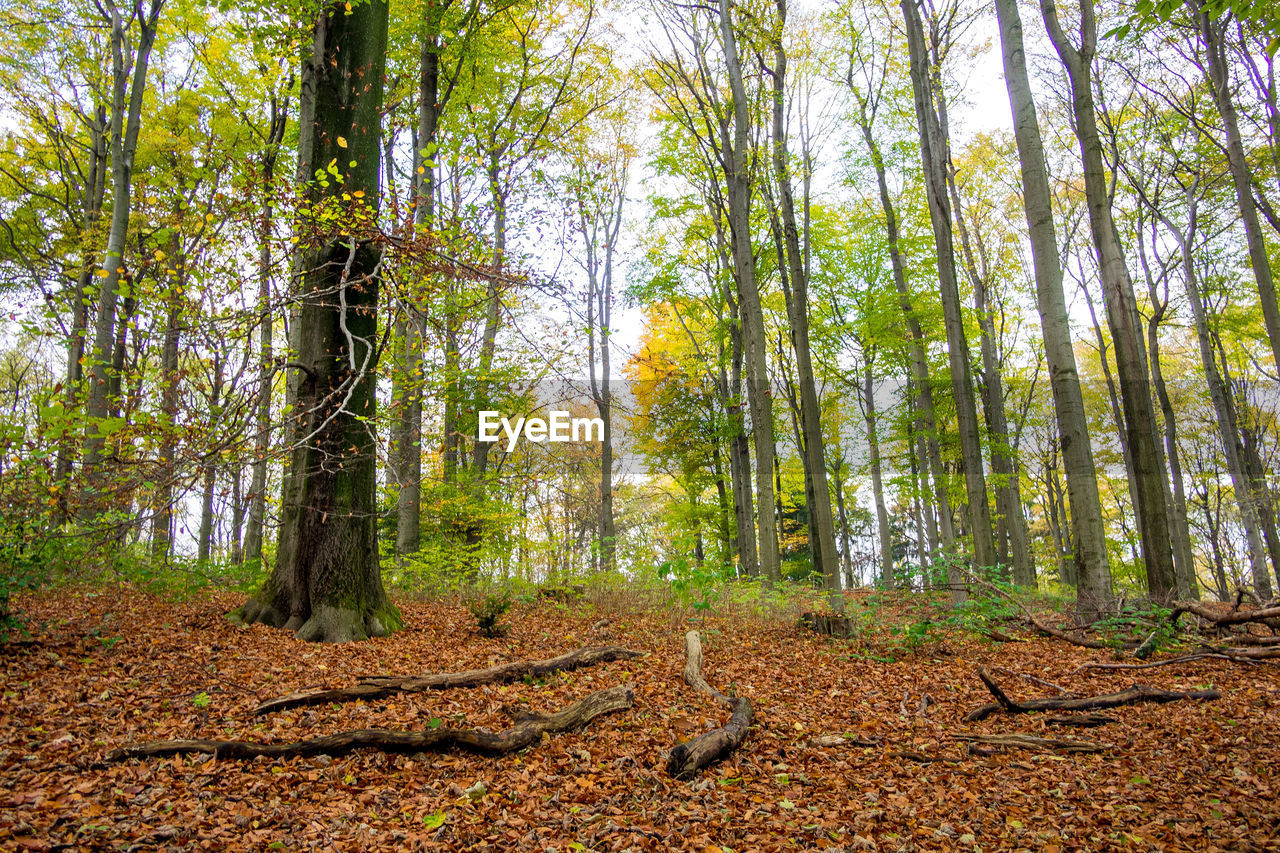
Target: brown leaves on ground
(844, 754)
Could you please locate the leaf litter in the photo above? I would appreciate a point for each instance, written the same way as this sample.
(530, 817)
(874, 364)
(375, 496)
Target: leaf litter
(844, 754)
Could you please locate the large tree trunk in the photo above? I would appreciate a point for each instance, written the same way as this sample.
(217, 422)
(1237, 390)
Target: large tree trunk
(759, 392)
(933, 153)
(326, 584)
(739, 446)
(1122, 310)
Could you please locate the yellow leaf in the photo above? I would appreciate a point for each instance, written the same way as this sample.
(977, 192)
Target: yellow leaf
(359, 193)
(342, 140)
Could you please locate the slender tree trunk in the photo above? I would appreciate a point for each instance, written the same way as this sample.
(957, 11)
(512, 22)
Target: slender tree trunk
(125, 122)
(253, 536)
(162, 506)
(1122, 311)
(209, 470)
(919, 363)
(755, 343)
(877, 483)
(1212, 31)
(933, 152)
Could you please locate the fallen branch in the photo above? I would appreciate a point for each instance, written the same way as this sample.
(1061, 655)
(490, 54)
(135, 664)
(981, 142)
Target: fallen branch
(1169, 662)
(527, 731)
(1034, 680)
(1039, 744)
(1135, 694)
(378, 687)
(1031, 617)
(686, 759)
(1238, 617)
(1082, 721)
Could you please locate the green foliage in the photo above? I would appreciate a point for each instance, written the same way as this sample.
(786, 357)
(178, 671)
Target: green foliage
(488, 609)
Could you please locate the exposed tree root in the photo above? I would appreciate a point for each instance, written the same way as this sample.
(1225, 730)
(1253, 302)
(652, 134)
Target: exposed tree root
(1135, 694)
(527, 731)
(686, 759)
(378, 687)
(1039, 744)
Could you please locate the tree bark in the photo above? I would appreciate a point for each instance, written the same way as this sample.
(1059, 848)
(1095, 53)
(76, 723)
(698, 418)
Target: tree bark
(1212, 31)
(327, 584)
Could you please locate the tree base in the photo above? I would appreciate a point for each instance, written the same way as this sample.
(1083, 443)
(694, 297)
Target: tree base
(326, 624)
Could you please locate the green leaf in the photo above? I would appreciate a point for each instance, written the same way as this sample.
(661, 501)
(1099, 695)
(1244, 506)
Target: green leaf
(434, 820)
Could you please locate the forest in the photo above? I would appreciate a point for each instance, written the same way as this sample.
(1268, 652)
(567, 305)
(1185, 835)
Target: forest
(904, 354)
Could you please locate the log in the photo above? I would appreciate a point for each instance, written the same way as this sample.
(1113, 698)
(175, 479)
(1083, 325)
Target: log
(830, 624)
(527, 731)
(381, 686)
(1033, 742)
(686, 759)
(1134, 695)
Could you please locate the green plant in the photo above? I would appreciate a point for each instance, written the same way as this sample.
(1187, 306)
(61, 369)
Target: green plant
(488, 609)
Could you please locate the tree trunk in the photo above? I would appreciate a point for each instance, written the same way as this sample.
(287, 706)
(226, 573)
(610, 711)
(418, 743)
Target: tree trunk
(326, 584)
(810, 412)
(934, 155)
(253, 535)
(1212, 31)
(877, 483)
(125, 122)
(919, 363)
(1122, 311)
(162, 504)
(760, 394)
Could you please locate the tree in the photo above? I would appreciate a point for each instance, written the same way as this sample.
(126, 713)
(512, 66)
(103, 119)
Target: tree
(326, 584)
(1089, 548)
(934, 155)
(1122, 311)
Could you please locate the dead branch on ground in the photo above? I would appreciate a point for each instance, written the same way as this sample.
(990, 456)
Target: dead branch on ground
(380, 686)
(1135, 694)
(686, 759)
(527, 731)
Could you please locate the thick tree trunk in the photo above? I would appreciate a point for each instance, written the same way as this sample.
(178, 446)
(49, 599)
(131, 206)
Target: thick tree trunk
(1122, 311)
(933, 153)
(326, 584)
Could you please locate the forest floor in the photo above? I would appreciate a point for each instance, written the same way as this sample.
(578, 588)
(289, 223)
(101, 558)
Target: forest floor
(107, 668)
